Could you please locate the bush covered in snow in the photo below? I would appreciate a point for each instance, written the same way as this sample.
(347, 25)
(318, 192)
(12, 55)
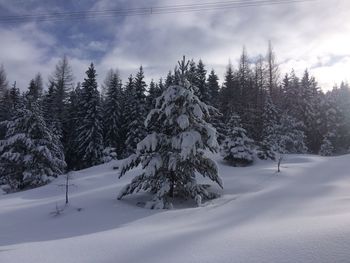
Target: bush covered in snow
(237, 148)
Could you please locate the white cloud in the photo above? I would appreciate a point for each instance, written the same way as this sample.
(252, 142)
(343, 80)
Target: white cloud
(305, 35)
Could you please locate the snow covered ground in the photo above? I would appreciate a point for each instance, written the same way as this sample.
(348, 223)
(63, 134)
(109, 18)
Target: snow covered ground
(299, 215)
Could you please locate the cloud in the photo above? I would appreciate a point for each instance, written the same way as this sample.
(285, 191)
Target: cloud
(305, 35)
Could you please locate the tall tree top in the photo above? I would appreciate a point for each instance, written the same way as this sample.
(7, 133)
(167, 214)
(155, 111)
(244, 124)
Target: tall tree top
(140, 84)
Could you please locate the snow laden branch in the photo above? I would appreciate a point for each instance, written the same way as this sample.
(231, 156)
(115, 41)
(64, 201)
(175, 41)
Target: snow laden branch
(174, 152)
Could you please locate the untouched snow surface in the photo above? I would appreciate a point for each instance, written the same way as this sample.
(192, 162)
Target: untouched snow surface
(299, 215)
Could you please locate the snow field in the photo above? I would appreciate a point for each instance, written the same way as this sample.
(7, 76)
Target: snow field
(299, 215)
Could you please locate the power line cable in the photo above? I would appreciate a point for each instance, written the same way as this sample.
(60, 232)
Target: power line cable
(156, 10)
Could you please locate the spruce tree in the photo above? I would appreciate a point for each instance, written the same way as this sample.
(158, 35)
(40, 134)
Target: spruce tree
(213, 88)
(29, 155)
(269, 145)
(61, 83)
(3, 82)
(327, 148)
(136, 130)
(237, 148)
(174, 150)
(201, 84)
(90, 138)
(75, 108)
(154, 92)
(229, 94)
(112, 118)
(290, 135)
(272, 73)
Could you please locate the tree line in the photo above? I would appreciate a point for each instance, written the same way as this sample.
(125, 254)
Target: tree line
(256, 112)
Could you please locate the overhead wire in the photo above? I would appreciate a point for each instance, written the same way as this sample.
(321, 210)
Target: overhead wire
(155, 10)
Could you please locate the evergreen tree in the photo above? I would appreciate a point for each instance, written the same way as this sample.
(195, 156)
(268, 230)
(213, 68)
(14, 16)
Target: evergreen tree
(90, 140)
(310, 111)
(61, 83)
(154, 92)
(113, 113)
(136, 130)
(259, 98)
(3, 82)
(169, 80)
(29, 155)
(200, 82)
(35, 88)
(213, 88)
(290, 135)
(273, 73)
(229, 93)
(173, 152)
(237, 148)
(75, 108)
(335, 118)
(269, 145)
(327, 148)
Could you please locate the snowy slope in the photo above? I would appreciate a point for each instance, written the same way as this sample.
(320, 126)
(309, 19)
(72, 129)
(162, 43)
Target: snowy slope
(299, 215)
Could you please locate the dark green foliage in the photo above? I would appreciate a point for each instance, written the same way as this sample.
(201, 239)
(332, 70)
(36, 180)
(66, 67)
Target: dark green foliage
(112, 113)
(90, 138)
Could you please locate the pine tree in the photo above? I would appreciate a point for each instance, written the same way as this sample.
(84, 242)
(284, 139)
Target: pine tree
(229, 93)
(169, 80)
(136, 130)
(200, 82)
(29, 155)
(269, 145)
(3, 82)
(213, 88)
(35, 89)
(112, 118)
(75, 108)
(327, 148)
(173, 152)
(260, 94)
(154, 92)
(273, 73)
(310, 112)
(335, 119)
(61, 83)
(290, 134)
(237, 148)
(90, 140)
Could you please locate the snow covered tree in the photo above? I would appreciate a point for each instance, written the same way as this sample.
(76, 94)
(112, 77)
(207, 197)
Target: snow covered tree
(174, 151)
(327, 148)
(29, 155)
(237, 148)
(90, 138)
(290, 135)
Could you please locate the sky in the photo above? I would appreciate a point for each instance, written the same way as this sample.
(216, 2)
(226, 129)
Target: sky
(311, 35)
